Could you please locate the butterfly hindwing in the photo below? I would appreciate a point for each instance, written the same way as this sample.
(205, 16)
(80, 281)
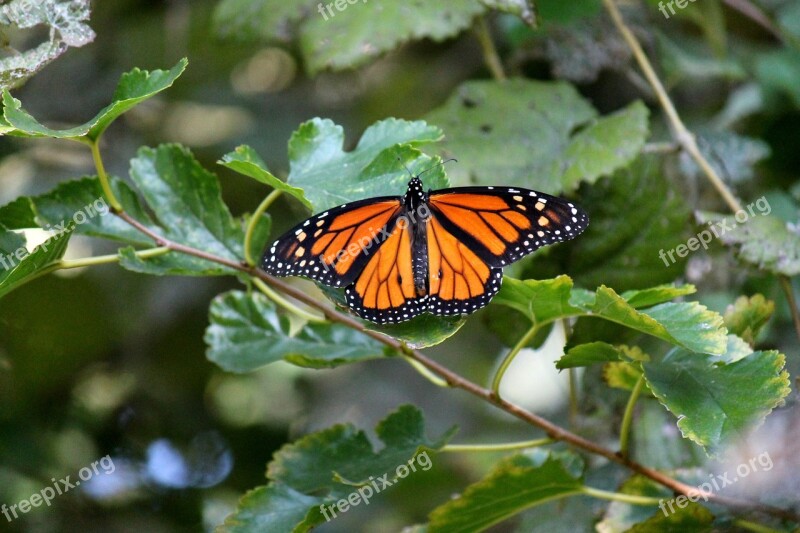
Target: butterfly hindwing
(503, 224)
(385, 291)
(459, 281)
(334, 246)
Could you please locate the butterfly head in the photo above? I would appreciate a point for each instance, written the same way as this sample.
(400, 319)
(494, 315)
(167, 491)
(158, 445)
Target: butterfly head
(415, 195)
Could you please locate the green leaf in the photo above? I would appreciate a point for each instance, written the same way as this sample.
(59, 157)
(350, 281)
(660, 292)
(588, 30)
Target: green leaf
(246, 332)
(330, 176)
(686, 324)
(746, 317)
(733, 156)
(330, 466)
(245, 160)
(622, 374)
(656, 295)
(18, 214)
(515, 484)
(422, 331)
(580, 50)
(779, 72)
(718, 398)
(765, 242)
(271, 508)
(536, 146)
(134, 87)
(22, 268)
(588, 354)
(187, 202)
(637, 218)
(10, 242)
(261, 234)
(541, 301)
(690, 325)
(262, 20)
(607, 144)
(66, 28)
(691, 60)
(334, 39)
(621, 516)
(692, 517)
(62, 205)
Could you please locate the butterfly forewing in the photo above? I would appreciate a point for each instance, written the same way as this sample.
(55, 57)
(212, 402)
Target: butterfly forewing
(334, 246)
(503, 224)
(385, 290)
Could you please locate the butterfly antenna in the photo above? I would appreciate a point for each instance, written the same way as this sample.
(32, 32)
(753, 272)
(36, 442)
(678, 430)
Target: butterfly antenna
(406, 166)
(441, 163)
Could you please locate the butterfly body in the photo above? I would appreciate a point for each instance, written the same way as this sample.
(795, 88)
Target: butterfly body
(440, 252)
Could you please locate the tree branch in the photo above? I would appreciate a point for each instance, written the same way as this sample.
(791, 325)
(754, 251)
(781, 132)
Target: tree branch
(454, 380)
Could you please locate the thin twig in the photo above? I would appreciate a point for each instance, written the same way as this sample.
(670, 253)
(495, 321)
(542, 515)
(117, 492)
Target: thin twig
(490, 54)
(454, 380)
(680, 132)
(788, 290)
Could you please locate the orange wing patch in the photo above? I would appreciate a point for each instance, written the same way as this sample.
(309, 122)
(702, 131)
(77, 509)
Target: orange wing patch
(388, 279)
(455, 271)
(488, 219)
(350, 232)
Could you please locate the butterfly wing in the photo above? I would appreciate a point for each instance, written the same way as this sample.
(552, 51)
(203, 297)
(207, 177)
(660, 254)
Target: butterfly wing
(503, 224)
(459, 280)
(385, 291)
(474, 231)
(334, 246)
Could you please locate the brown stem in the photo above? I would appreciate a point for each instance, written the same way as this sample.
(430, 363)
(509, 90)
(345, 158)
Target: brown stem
(788, 290)
(454, 380)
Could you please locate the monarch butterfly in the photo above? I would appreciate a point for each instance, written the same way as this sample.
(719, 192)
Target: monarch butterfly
(439, 252)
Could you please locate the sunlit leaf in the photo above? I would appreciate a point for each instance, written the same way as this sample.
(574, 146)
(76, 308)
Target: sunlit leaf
(330, 176)
(245, 160)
